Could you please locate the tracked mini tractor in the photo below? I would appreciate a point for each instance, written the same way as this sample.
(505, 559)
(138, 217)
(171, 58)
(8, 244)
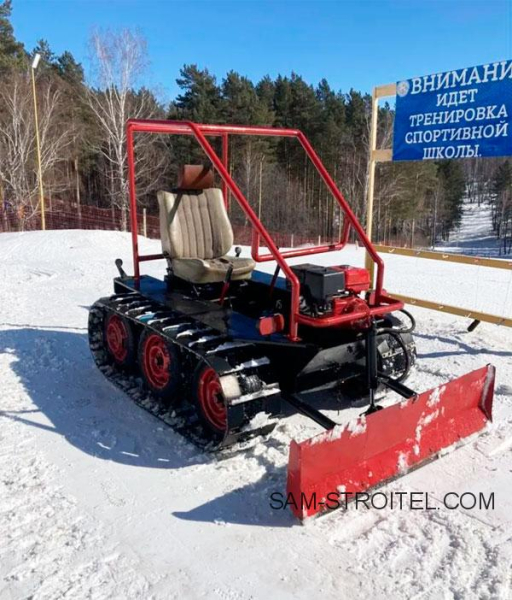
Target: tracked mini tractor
(217, 348)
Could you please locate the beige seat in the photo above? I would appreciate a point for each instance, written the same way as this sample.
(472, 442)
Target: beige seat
(195, 230)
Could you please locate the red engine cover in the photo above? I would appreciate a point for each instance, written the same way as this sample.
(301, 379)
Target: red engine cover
(357, 279)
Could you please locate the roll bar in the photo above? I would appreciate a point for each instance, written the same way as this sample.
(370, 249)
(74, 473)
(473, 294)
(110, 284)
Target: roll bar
(380, 304)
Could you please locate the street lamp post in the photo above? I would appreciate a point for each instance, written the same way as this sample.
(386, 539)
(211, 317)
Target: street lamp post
(35, 62)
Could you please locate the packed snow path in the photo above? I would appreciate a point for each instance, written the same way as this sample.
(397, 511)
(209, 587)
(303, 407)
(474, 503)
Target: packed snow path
(474, 235)
(100, 500)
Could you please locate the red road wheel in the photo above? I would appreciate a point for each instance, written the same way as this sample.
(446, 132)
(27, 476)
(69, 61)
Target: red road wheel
(209, 400)
(159, 364)
(119, 340)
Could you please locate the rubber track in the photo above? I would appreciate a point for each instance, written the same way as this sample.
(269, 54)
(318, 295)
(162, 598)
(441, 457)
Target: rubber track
(198, 343)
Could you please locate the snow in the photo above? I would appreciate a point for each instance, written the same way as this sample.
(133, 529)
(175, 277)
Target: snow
(357, 427)
(427, 419)
(474, 235)
(98, 499)
(403, 463)
(435, 396)
(478, 288)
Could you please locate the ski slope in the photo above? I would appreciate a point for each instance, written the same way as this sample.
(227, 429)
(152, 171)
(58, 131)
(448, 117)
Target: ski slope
(98, 499)
(471, 287)
(474, 235)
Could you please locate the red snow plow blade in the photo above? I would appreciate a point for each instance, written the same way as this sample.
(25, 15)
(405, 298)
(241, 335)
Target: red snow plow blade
(386, 444)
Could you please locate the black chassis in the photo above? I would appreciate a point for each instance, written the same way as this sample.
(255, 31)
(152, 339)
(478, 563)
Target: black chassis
(332, 357)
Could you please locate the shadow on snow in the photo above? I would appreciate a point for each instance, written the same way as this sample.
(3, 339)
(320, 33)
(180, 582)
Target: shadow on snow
(76, 401)
(461, 348)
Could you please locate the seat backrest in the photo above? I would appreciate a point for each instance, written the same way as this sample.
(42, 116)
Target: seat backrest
(193, 219)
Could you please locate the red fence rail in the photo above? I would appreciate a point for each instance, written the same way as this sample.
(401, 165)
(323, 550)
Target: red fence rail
(65, 215)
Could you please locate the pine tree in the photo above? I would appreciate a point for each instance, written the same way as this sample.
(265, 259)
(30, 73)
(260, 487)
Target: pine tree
(453, 186)
(266, 90)
(502, 180)
(70, 70)
(502, 205)
(201, 99)
(48, 58)
(12, 53)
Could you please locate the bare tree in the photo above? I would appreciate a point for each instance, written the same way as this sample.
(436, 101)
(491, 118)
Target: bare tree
(119, 60)
(18, 160)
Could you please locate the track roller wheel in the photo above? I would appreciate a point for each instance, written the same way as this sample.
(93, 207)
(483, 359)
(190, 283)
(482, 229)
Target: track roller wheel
(119, 340)
(159, 363)
(209, 402)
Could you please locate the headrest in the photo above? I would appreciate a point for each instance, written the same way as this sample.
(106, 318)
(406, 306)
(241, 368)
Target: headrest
(195, 177)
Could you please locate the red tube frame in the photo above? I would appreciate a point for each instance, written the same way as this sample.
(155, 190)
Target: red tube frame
(382, 304)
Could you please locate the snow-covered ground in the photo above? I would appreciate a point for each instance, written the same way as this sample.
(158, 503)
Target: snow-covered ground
(474, 235)
(468, 286)
(100, 500)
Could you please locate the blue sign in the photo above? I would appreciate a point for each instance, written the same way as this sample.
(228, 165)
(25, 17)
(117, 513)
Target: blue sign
(458, 114)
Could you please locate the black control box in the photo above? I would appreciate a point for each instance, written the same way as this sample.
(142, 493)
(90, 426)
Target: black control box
(318, 283)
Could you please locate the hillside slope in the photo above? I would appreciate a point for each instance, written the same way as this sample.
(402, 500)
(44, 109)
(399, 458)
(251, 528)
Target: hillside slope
(474, 235)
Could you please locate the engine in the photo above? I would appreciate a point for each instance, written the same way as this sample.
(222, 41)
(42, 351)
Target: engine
(330, 290)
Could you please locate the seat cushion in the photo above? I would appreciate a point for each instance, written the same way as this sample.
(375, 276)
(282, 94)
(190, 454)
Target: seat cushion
(194, 224)
(197, 270)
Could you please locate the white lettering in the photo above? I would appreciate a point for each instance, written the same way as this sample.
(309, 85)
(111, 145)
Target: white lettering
(416, 85)
(502, 130)
(474, 77)
(506, 69)
(488, 74)
(502, 112)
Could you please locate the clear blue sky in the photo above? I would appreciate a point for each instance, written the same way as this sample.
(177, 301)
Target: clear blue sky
(355, 44)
